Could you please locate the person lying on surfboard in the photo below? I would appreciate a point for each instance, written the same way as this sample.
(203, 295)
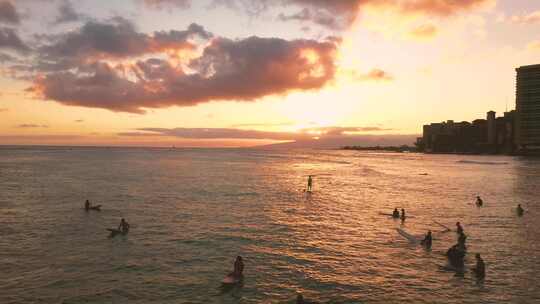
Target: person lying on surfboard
(395, 214)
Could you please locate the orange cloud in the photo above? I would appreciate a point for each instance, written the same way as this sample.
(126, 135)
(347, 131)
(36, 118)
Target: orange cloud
(240, 70)
(531, 18)
(424, 31)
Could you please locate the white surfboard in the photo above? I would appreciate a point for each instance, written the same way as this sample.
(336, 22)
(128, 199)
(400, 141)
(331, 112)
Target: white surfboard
(411, 238)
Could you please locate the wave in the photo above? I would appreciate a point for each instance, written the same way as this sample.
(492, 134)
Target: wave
(481, 162)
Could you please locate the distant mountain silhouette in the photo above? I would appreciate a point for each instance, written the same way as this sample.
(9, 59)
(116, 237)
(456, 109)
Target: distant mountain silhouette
(335, 142)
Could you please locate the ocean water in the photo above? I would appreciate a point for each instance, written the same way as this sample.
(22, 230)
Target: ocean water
(192, 211)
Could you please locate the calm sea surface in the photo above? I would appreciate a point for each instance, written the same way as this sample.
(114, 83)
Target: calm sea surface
(192, 211)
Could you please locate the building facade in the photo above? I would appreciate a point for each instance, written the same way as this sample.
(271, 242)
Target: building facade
(493, 135)
(527, 131)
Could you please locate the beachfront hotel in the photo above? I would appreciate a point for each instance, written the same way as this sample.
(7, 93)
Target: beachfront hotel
(516, 132)
(528, 108)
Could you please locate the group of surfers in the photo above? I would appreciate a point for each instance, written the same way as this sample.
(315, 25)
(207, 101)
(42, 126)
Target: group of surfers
(456, 253)
(123, 227)
(396, 214)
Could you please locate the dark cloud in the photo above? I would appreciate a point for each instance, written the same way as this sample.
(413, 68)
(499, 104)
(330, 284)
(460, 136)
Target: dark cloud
(373, 75)
(6, 58)
(258, 125)
(320, 18)
(240, 70)
(30, 126)
(340, 14)
(8, 13)
(117, 38)
(67, 13)
(332, 131)
(160, 4)
(212, 133)
(233, 133)
(10, 40)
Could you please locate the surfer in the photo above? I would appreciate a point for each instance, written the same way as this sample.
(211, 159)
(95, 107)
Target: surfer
(309, 183)
(520, 210)
(427, 240)
(124, 226)
(480, 269)
(87, 205)
(403, 214)
(459, 228)
(461, 241)
(455, 255)
(238, 268)
(479, 201)
(395, 214)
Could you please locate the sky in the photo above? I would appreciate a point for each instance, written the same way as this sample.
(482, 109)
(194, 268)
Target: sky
(231, 73)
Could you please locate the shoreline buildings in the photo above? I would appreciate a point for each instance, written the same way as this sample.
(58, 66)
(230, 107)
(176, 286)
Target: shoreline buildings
(516, 132)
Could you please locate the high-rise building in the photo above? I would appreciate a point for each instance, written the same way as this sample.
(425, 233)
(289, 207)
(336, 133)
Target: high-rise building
(527, 129)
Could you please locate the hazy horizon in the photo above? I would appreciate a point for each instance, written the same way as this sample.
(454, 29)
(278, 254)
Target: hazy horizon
(247, 73)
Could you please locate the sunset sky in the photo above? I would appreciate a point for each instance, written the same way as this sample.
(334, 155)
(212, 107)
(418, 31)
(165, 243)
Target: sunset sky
(250, 72)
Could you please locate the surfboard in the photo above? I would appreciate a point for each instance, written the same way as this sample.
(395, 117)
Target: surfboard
(115, 232)
(444, 226)
(230, 279)
(411, 238)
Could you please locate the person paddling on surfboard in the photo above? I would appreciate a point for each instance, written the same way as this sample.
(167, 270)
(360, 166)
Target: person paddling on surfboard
(238, 268)
(480, 269)
(124, 226)
(309, 183)
(479, 201)
(459, 229)
(395, 214)
(427, 240)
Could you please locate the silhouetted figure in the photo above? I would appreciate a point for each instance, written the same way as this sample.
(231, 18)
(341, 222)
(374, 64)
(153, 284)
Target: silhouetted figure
(395, 214)
(238, 268)
(310, 183)
(479, 201)
(87, 205)
(124, 226)
(480, 269)
(403, 216)
(520, 210)
(461, 241)
(455, 256)
(459, 229)
(427, 240)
